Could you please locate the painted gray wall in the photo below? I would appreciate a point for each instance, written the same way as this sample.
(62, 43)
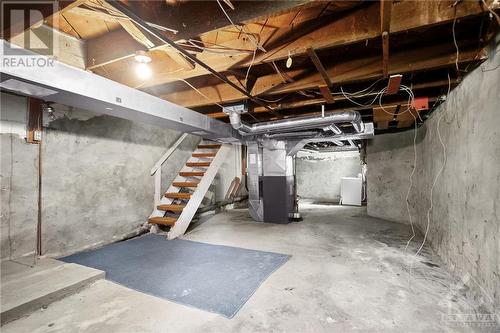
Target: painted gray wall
(464, 224)
(97, 186)
(319, 174)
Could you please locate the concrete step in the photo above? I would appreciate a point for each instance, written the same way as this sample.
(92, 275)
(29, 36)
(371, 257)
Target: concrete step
(26, 289)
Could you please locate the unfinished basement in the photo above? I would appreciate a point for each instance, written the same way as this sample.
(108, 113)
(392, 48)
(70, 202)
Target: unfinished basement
(250, 166)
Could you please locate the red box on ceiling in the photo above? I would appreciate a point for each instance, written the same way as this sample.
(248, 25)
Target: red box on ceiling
(421, 103)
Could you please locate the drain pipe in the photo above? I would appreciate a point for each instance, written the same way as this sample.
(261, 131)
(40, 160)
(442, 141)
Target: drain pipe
(297, 124)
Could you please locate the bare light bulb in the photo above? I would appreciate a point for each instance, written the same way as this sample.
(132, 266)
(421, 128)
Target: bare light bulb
(143, 71)
(289, 61)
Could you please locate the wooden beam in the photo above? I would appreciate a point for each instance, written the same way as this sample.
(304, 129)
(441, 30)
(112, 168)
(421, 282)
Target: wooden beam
(363, 25)
(385, 54)
(385, 15)
(316, 101)
(385, 28)
(102, 10)
(183, 18)
(349, 71)
(405, 123)
(382, 125)
(324, 89)
(107, 48)
(178, 58)
(34, 118)
(94, 14)
(319, 66)
(387, 106)
(356, 28)
(37, 13)
(327, 94)
(190, 19)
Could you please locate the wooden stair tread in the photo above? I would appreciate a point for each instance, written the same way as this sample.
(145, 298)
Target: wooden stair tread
(170, 221)
(203, 155)
(192, 173)
(209, 146)
(177, 195)
(198, 164)
(171, 208)
(185, 184)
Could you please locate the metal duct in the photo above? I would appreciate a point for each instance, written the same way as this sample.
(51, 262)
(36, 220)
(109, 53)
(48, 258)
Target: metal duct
(71, 86)
(296, 124)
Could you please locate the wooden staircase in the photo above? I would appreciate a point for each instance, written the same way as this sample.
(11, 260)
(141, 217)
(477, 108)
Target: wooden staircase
(179, 204)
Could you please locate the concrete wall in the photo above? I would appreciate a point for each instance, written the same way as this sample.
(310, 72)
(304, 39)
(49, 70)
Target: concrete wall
(319, 174)
(389, 162)
(18, 181)
(465, 220)
(96, 183)
(230, 169)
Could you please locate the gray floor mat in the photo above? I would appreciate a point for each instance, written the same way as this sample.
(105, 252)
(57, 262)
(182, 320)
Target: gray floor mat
(214, 278)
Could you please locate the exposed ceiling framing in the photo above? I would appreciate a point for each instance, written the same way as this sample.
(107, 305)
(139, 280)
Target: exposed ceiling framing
(334, 47)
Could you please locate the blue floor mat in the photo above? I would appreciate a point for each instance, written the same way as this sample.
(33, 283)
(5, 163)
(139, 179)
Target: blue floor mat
(214, 278)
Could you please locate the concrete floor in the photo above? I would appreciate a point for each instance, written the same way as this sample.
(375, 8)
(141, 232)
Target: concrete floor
(348, 272)
(26, 286)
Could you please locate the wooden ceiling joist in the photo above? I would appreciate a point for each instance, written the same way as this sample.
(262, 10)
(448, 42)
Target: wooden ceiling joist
(15, 24)
(319, 66)
(362, 25)
(387, 115)
(316, 101)
(324, 88)
(349, 71)
(385, 28)
(188, 29)
(96, 56)
(357, 28)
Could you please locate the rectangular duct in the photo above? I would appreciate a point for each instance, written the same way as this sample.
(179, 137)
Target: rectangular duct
(74, 87)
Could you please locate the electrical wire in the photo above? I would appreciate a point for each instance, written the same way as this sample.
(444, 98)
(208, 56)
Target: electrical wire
(413, 234)
(273, 100)
(200, 93)
(215, 48)
(241, 30)
(492, 12)
(436, 178)
(251, 64)
(359, 104)
(363, 90)
(455, 40)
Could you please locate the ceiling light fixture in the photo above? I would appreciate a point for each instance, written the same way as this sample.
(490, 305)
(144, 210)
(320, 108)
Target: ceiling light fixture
(289, 61)
(142, 57)
(142, 69)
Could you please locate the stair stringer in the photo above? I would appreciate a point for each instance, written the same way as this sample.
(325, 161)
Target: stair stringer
(192, 205)
(167, 201)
